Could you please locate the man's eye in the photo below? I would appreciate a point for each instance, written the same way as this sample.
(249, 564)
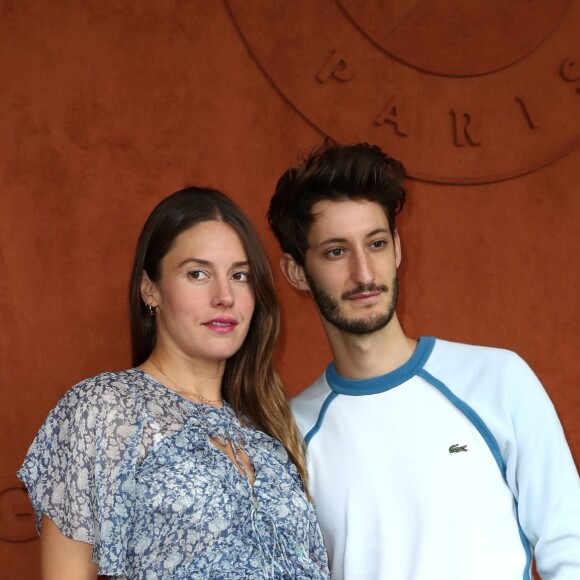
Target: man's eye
(378, 244)
(334, 253)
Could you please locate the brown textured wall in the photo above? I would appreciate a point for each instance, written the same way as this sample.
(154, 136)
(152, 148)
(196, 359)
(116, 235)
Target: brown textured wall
(106, 107)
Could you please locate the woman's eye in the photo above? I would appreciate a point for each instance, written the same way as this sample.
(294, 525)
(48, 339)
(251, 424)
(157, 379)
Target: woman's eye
(378, 244)
(241, 276)
(197, 274)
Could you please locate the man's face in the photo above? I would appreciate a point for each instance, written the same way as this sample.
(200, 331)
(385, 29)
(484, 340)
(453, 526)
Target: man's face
(351, 265)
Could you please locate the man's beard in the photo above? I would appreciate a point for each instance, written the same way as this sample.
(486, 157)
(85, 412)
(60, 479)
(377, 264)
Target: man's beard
(330, 308)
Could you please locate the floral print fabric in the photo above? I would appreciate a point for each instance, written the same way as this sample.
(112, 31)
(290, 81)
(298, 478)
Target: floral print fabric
(127, 465)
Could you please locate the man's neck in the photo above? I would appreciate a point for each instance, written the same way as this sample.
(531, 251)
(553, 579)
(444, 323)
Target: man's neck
(370, 355)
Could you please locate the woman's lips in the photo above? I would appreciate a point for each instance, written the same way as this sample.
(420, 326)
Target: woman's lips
(221, 325)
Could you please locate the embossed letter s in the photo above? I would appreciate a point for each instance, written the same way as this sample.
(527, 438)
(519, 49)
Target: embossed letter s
(570, 72)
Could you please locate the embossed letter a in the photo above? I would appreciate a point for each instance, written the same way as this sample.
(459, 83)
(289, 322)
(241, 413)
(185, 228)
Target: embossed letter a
(392, 113)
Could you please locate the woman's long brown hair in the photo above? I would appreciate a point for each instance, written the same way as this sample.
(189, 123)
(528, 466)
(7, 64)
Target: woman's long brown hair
(250, 383)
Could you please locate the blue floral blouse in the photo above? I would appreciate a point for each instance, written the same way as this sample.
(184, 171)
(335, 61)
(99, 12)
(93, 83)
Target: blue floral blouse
(127, 465)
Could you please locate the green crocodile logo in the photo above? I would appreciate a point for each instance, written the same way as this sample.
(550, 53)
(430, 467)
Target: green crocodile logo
(456, 448)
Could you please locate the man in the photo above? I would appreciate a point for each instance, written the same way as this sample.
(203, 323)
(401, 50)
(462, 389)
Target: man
(428, 459)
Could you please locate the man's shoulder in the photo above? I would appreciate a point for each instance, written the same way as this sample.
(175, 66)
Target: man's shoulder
(459, 365)
(307, 405)
(318, 388)
(461, 351)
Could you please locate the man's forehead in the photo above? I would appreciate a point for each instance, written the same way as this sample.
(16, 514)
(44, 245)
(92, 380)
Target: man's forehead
(335, 220)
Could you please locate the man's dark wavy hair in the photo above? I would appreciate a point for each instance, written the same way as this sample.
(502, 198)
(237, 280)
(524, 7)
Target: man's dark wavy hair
(333, 172)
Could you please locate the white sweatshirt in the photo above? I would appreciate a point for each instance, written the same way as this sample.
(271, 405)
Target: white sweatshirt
(452, 467)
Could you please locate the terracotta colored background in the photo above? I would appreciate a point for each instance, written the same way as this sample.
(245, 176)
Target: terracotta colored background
(108, 106)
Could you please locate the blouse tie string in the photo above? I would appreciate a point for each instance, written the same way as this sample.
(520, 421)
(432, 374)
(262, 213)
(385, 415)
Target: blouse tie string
(257, 515)
(269, 555)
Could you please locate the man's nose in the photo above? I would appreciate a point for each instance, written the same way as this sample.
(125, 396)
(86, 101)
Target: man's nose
(362, 270)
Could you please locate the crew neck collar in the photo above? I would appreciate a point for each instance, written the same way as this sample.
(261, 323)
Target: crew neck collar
(374, 385)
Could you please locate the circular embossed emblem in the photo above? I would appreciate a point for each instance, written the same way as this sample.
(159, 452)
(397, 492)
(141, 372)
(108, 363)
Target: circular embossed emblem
(461, 92)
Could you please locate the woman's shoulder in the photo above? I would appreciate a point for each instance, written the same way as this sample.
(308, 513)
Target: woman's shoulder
(109, 381)
(108, 390)
(107, 407)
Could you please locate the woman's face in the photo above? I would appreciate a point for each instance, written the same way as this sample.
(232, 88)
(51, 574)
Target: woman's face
(204, 294)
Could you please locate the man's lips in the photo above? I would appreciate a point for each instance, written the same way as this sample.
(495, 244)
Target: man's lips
(363, 296)
(361, 293)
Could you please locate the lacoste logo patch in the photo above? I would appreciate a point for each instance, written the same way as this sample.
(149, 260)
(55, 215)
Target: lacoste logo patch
(457, 448)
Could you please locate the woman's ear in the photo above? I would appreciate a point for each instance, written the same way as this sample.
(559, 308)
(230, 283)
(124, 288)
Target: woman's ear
(149, 293)
(293, 272)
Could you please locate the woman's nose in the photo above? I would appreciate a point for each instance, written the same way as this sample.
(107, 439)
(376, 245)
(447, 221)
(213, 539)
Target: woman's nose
(223, 295)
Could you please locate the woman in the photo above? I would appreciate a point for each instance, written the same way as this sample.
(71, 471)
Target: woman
(187, 465)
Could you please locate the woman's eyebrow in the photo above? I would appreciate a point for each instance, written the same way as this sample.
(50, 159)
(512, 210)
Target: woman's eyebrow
(202, 262)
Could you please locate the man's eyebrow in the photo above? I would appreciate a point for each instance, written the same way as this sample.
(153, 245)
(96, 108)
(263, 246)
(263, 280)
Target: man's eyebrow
(332, 241)
(201, 262)
(378, 231)
(338, 240)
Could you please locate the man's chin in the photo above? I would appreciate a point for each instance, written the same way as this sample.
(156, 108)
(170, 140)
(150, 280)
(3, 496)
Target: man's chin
(360, 326)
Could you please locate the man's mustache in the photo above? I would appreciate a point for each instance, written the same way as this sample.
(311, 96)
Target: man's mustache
(364, 288)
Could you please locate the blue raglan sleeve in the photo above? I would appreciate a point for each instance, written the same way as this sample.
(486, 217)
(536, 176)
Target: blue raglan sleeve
(544, 476)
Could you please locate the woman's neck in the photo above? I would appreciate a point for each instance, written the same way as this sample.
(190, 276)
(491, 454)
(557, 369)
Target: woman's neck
(195, 379)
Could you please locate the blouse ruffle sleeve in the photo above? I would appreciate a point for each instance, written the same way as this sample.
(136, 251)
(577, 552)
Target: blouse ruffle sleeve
(80, 468)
